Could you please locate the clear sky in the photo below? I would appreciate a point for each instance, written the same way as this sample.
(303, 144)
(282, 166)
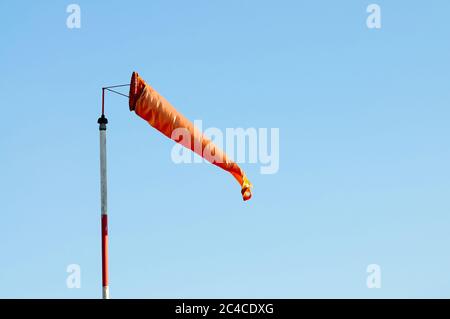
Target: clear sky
(364, 174)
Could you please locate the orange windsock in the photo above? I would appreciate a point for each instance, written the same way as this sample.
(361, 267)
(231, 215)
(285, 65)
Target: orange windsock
(159, 113)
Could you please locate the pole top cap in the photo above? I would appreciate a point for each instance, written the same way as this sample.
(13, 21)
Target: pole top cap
(102, 120)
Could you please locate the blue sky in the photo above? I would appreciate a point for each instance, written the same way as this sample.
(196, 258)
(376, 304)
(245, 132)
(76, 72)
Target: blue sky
(364, 149)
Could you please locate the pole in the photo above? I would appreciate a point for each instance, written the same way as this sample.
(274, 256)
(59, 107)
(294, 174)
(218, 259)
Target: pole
(102, 121)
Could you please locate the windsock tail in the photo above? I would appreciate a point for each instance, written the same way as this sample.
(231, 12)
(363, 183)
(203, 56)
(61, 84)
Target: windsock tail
(246, 189)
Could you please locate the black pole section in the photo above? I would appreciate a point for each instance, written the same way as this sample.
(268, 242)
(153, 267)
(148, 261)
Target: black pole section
(102, 120)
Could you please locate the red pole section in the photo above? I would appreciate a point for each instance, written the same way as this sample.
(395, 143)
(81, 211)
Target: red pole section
(105, 282)
(103, 101)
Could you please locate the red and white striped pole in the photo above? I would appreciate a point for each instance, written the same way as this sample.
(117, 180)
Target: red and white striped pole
(102, 121)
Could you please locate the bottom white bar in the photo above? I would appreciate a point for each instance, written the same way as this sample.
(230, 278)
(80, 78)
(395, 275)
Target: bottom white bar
(106, 292)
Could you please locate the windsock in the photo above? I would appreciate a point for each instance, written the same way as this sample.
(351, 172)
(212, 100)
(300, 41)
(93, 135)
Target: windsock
(159, 113)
